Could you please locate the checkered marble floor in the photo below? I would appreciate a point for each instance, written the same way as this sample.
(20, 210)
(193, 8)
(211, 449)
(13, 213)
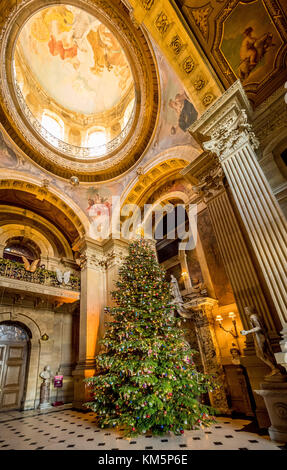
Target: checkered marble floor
(67, 429)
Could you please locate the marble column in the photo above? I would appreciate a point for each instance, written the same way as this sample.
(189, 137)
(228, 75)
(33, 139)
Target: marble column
(100, 263)
(225, 131)
(92, 302)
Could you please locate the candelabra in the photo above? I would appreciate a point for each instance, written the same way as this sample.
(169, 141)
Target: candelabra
(232, 316)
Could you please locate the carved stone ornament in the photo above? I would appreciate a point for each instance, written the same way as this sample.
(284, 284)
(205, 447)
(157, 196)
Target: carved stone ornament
(114, 257)
(188, 65)
(230, 135)
(92, 260)
(199, 84)
(162, 23)
(211, 183)
(281, 410)
(176, 44)
(207, 99)
(199, 318)
(147, 4)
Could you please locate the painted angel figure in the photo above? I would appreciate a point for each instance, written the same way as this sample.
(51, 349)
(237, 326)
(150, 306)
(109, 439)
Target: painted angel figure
(63, 278)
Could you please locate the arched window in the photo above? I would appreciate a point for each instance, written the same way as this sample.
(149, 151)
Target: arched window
(97, 138)
(53, 125)
(18, 247)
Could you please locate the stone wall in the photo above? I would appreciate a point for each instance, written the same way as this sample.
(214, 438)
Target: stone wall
(60, 324)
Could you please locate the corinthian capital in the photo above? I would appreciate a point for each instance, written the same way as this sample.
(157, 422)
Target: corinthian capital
(230, 134)
(211, 183)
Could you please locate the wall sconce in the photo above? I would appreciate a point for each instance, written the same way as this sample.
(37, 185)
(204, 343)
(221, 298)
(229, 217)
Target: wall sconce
(184, 274)
(232, 316)
(44, 337)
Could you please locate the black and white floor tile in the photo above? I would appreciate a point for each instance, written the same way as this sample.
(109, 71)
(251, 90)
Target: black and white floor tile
(67, 429)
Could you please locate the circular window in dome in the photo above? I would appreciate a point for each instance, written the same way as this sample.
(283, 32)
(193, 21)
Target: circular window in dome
(73, 82)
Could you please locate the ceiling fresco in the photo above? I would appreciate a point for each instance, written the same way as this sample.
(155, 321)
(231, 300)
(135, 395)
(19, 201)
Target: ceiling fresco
(245, 39)
(76, 59)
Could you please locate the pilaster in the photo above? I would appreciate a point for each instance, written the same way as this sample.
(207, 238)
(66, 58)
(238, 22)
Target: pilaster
(99, 263)
(201, 314)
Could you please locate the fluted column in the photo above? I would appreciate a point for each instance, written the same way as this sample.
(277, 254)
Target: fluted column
(227, 125)
(263, 220)
(237, 261)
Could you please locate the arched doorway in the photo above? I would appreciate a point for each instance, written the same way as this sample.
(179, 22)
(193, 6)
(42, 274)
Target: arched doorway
(14, 354)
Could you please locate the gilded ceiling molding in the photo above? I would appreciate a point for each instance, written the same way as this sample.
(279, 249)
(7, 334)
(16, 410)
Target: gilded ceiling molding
(162, 21)
(34, 221)
(145, 75)
(152, 179)
(260, 87)
(14, 180)
(9, 231)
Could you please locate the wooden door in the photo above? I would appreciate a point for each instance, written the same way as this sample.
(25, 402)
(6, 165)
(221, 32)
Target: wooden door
(13, 361)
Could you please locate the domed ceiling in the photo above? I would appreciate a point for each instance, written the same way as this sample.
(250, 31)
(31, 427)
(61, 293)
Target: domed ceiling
(76, 59)
(78, 85)
(69, 63)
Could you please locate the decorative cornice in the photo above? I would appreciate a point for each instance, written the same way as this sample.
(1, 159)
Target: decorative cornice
(234, 97)
(225, 126)
(230, 135)
(211, 184)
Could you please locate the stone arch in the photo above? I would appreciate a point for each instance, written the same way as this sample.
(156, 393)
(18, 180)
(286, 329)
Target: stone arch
(164, 199)
(75, 216)
(155, 172)
(15, 230)
(17, 216)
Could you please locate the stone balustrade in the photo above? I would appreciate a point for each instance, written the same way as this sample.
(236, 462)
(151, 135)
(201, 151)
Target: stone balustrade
(14, 270)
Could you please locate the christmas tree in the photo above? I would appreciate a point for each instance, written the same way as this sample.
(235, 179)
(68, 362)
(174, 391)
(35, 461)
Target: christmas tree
(146, 378)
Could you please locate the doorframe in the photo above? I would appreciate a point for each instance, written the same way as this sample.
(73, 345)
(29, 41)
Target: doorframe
(32, 367)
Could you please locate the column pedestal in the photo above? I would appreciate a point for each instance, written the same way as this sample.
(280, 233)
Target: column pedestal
(81, 391)
(275, 398)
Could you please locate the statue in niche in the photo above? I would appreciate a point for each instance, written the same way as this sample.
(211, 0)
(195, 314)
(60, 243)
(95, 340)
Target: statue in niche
(262, 343)
(45, 388)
